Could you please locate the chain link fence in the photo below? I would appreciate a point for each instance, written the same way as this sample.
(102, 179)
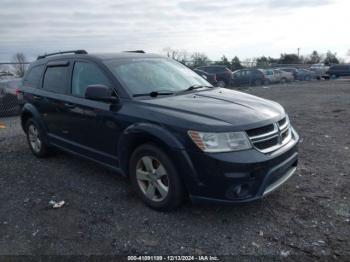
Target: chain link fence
(9, 84)
(9, 105)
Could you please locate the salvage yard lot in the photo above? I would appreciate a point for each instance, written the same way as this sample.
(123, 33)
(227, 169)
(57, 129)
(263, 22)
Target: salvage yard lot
(308, 216)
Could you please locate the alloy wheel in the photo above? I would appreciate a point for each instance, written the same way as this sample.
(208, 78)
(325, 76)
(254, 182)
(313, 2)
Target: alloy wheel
(34, 138)
(152, 178)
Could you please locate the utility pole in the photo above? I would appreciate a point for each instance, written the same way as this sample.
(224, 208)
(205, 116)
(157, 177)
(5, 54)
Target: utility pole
(298, 51)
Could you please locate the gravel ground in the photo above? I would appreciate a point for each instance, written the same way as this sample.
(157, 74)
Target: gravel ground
(306, 219)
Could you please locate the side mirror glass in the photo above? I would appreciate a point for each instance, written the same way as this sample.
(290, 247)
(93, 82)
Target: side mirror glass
(100, 93)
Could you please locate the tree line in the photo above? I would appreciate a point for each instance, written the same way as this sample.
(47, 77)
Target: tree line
(197, 59)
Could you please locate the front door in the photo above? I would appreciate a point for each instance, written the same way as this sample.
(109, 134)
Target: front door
(95, 129)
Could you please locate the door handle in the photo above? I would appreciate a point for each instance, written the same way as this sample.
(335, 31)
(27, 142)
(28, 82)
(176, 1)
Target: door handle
(69, 105)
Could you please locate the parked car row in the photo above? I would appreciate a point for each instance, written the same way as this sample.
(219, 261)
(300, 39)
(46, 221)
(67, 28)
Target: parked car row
(222, 76)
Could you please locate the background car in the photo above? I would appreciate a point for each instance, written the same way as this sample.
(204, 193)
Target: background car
(211, 78)
(306, 75)
(320, 69)
(272, 76)
(292, 70)
(338, 70)
(9, 96)
(248, 77)
(6, 75)
(284, 76)
(223, 74)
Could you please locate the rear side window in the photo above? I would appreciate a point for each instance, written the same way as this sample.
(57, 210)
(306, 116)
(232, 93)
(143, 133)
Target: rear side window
(33, 77)
(55, 79)
(85, 74)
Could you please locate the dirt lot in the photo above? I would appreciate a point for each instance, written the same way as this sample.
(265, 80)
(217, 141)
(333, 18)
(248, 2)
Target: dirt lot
(307, 219)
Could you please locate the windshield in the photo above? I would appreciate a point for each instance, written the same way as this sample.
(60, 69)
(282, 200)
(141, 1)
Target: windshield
(145, 75)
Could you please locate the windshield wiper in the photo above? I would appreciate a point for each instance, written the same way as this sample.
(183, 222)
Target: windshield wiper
(193, 87)
(154, 94)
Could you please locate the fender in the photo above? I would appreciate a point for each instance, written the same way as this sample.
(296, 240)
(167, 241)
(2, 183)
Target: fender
(130, 139)
(145, 130)
(30, 109)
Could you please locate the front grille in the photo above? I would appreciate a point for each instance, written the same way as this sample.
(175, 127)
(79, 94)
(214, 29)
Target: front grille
(260, 130)
(271, 137)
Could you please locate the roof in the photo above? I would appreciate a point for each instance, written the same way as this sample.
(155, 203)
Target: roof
(96, 56)
(109, 56)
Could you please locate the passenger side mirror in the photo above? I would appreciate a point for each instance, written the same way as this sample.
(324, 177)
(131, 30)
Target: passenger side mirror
(100, 93)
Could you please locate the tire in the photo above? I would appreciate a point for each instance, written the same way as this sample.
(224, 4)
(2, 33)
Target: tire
(267, 82)
(35, 139)
(283, 80)
(155, 178)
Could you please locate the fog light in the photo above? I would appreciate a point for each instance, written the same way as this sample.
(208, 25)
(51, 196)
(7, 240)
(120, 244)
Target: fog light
(238, 191)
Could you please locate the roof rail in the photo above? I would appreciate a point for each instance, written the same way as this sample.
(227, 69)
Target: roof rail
(136, 51)
(78, 52)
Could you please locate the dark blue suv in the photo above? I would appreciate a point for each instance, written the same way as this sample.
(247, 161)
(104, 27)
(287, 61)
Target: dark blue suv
(159, 123)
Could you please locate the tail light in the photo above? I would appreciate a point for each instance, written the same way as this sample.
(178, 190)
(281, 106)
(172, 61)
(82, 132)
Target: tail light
(19, 94)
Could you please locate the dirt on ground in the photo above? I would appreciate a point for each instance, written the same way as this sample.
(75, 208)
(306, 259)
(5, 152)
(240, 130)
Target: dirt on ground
(307, 219)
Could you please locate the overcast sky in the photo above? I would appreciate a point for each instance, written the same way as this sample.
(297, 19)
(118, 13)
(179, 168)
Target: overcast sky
(246, 28)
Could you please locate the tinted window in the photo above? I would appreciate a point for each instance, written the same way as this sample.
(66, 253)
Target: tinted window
(33, 77)
(85, 74)
(55, 79)
(246, 73)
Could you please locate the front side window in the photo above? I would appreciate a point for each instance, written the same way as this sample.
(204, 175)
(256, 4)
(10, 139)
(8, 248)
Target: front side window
(85, 74)
(55, 79)
(145, 75)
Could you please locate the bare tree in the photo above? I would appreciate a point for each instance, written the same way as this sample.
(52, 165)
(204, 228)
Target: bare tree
(20, 66)
(179, 55)
(199, 59)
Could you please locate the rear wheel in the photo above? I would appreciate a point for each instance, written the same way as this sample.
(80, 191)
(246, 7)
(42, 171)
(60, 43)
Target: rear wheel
(283, 80)
(35, 138)
(155, 178)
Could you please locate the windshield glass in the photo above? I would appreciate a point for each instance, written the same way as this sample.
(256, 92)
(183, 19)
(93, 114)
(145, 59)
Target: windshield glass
(145, 75)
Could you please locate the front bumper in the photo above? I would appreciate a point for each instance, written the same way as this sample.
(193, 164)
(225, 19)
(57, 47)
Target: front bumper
(238, 177)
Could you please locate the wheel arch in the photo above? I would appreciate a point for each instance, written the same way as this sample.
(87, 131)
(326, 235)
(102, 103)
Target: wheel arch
(29, 111)
(142, 133)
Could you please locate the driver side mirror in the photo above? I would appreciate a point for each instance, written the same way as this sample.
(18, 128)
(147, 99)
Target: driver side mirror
(101, 93)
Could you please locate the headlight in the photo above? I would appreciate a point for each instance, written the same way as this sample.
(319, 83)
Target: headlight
(220, 142)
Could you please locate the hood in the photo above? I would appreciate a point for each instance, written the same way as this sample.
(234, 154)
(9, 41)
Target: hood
(209, 108)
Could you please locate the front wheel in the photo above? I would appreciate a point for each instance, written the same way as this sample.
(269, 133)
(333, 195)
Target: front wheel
(155, 178)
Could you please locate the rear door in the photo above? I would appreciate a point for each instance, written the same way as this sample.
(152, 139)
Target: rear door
(55, 92)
